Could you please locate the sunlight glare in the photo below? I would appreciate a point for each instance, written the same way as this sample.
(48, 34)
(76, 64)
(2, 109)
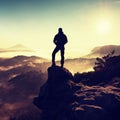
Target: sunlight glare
(103, 27)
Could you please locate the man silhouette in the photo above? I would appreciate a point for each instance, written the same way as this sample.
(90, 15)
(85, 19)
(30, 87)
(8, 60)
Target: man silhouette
(60, 40)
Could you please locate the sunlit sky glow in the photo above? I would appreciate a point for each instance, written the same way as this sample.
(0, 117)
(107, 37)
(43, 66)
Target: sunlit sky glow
(33, 23)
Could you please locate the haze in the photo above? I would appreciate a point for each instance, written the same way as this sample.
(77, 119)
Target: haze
(33, 23)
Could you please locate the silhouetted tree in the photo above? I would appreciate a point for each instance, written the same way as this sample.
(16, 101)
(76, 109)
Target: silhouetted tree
(101, 62)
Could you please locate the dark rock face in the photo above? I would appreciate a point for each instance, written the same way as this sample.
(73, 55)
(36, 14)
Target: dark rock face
(55, 95)
(96, 103)
(62, 98)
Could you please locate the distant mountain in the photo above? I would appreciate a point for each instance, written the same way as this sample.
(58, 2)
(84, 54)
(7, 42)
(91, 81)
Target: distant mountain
(104, 50)
(11, 67)
(21, 59)
(19, 47)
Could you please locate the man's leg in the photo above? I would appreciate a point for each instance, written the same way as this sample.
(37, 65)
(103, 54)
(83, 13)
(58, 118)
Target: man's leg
(62, 56)
(53, 55)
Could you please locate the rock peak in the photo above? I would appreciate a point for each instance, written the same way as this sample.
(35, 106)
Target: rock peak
(51, 99)
(56, 73)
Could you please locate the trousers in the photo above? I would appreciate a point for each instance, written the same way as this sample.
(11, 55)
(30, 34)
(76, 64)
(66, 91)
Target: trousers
(57, 48)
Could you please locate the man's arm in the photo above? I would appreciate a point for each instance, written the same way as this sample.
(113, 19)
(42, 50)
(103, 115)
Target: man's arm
(65, 40)
(55, 40)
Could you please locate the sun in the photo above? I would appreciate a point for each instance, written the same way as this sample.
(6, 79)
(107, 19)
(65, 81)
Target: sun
(103, 26)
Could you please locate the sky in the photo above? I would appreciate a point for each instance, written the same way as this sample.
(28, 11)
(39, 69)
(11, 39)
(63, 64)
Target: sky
(34, 23)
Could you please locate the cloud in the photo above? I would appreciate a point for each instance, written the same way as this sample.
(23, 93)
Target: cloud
(116, 1)
(4, 51)
(104, 50)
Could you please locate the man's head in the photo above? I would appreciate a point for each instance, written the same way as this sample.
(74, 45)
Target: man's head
(60, 30)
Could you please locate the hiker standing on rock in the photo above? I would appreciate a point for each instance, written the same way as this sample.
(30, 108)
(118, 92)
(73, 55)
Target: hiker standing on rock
(60, 40)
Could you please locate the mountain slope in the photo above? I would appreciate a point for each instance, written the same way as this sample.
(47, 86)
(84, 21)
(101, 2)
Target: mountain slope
(17, 96)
